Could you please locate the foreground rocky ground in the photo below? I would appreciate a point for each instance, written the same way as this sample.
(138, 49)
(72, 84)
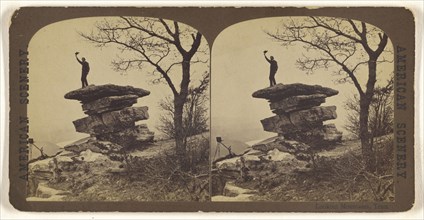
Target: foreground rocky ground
(307, 160)
(120, 160)
(138, 175)
(335, 174)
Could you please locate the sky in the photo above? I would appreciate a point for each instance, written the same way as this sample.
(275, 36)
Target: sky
(54, 71)
(239, 69)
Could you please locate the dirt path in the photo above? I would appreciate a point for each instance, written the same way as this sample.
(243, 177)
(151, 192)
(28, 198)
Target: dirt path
(46, 193)
(341, 149)
(233, 193)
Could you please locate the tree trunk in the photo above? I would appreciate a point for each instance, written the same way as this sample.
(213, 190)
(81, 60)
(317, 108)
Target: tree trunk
(180, 147)
(364, 135)
(179, 100)
(364, 105)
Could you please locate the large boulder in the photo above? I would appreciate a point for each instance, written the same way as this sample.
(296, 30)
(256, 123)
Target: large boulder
(111, 121)
(132, 137)
(40, 166)
(92, 92)
(111, 118)
(282, 91)
(296, 103)
(96, 146)
(90, 156)
(108, 104)
(234, 164)
(44, 168)
(320, 137)
(299, 149)
(299, 121)
(276, 155)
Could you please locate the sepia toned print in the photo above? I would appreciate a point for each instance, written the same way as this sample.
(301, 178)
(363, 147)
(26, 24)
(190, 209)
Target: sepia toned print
(140, 131)
(326, 133)
(272, 109)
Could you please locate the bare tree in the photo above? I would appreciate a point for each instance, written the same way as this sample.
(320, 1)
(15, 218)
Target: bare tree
(166, 49)
(381, 112)
(347, 47)
(195, 113)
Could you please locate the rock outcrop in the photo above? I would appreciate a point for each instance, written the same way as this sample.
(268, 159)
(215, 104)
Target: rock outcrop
(117, 147)
(299, 150)
(274, 156)
(281, 91)
(110, 115)
(299, 116)
(94, 93)
(299, 122)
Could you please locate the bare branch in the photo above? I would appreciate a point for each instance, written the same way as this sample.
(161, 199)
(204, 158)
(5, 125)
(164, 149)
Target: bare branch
(319, 23)
(336, 40)
(150, 32)
(161, 46)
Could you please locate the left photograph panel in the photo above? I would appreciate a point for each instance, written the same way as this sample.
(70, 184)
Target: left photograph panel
(118, 111)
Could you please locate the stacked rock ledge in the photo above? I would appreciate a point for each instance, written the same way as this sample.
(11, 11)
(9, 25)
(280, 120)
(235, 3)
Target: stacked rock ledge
(92, 92)
(299, 116)
(111, 116)
(110, 103)
(109, 122)
(295, 103)
(298, 121)
(282, 91)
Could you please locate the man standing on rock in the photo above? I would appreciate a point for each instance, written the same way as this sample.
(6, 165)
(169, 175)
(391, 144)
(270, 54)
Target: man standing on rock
(272, 70)
(85, 70)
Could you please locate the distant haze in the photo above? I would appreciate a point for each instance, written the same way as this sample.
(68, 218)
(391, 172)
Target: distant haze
(239, 68)
(54, 71)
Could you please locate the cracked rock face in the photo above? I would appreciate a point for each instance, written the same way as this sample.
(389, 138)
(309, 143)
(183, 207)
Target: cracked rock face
(282, 91)
(299, 116)
(133, 137)
(299, 121)
(111, 116)
(103, 147)
(318, 137)
(92, 92)
(296, 103)
(111, 121)
(108, 104)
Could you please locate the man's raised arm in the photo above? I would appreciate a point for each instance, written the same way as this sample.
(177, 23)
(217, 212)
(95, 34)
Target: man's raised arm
(269, 61)
(76, 56)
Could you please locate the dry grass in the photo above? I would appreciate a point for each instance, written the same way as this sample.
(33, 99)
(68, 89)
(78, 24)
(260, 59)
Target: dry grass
(337, 176)
(152, 178)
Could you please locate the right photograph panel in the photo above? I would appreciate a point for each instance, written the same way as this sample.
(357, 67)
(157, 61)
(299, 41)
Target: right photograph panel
(302, 110)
